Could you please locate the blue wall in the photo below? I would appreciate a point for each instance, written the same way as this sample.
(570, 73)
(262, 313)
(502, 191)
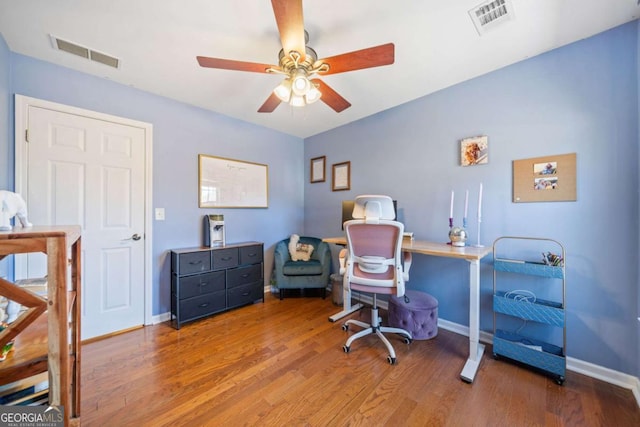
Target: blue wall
(583, 99)
(180, 133)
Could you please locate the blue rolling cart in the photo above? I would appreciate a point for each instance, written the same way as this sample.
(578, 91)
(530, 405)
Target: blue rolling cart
(524, 305)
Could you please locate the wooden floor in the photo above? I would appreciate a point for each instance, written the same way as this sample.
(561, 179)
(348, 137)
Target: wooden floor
(280, 363)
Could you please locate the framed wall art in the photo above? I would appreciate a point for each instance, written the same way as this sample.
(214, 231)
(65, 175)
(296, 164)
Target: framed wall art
(317, 168)
(474, 151)
(545, 179)
(341, 176)
(229, 183)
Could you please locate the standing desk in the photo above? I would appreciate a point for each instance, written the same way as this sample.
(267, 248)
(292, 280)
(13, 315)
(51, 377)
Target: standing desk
(471, 254)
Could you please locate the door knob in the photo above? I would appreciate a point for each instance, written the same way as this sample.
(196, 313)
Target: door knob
(135, 237)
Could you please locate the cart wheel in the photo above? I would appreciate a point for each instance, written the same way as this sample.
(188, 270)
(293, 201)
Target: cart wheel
(391, 360)
(346, 348)
(560, 380)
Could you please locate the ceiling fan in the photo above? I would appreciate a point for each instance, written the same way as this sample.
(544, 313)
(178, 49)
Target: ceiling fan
(299, 63)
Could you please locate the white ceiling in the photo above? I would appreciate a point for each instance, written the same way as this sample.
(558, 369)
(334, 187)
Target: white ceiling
(436, 46)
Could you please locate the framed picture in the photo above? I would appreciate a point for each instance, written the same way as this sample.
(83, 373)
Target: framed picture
(545, 179)
(317, 169)
(474, 151)
(341, 176)
(228, 183)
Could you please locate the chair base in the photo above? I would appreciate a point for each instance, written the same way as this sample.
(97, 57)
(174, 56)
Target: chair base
(379, 330)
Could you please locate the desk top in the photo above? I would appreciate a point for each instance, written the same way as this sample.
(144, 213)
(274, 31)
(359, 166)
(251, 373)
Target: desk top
(432, 248)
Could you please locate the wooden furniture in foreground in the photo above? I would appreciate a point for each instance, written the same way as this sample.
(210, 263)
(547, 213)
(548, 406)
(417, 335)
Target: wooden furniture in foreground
(209, 280)
(468, 253)
(47, 340)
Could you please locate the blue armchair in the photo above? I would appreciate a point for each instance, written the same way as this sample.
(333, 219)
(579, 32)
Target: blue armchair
(302, 274)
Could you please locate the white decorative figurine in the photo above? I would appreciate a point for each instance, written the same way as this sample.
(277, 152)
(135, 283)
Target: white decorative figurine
(12, 204)
(299, 251)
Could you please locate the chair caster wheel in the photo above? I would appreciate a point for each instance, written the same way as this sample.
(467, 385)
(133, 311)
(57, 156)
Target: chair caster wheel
(346, 348)
(407, 340)
(391, 360)
(345, 327)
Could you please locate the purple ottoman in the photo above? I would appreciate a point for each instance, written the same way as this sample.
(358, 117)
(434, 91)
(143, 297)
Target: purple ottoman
(418, 316)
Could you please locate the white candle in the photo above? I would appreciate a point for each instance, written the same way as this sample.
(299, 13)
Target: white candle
(451, 208)
(480, 202)
(466, 203)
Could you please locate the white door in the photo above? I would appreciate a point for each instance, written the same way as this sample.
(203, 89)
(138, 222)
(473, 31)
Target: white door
(90, 171)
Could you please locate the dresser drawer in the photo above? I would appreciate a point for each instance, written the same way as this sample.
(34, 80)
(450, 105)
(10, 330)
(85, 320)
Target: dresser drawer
(193, 262)
(243, 275)
(245, 294)
(202, 305)
(225, 258)
(250, 254)
(202, 284)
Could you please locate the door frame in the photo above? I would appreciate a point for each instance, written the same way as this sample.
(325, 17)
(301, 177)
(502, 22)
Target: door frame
(21, 108)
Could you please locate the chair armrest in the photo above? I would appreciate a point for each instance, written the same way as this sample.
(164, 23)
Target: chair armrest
(408, 258)
(342, 258)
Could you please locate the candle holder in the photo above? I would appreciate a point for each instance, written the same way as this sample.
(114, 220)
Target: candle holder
(478, 245)
(458, 236)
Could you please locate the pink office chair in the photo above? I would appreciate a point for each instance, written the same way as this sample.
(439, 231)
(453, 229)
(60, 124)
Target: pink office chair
(373, 263)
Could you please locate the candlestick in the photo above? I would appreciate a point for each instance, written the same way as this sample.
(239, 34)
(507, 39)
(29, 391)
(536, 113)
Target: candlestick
(466, 204)
(480, 202)
(451, 208)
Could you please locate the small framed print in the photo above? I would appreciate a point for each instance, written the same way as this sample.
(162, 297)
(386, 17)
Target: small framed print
(474, 151)
(341, 176)
(317, 169)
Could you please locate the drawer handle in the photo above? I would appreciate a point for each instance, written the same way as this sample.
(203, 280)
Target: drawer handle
(226, 258)
(244, 276)
(203, 305)
(246, 294)
(195, 262)
(252, 255)
(204, 284)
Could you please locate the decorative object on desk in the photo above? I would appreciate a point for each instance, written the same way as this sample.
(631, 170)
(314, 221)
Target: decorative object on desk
(317, 168)
(341, 176)
(228, 183)
(12, 204)
(545, 179)
(474, 151)
(458, 236)
(299, 251)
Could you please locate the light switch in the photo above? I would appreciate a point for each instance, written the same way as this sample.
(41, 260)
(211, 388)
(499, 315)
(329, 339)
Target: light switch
(159, 214)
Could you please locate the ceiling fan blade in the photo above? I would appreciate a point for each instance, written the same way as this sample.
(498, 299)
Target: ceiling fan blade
(331, 97)
(290, 25)
(270, 104)
(229, 64)
(360, 59)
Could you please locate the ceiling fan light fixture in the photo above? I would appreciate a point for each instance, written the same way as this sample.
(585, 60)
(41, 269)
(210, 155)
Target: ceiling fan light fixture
(297, 101)
(283, 90)
(300, 84)
(312, 95)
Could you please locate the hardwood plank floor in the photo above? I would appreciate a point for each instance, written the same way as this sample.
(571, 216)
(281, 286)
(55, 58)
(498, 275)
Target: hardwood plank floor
(280, 363)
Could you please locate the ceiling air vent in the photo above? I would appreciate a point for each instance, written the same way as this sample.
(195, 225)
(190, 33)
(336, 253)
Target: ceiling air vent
(491, 14)
(84, 52)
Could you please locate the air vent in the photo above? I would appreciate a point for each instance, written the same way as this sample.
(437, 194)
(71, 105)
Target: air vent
(84, 52)
(491, 14)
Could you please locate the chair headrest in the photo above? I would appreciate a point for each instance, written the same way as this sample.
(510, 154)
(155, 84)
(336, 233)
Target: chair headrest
(373, 208)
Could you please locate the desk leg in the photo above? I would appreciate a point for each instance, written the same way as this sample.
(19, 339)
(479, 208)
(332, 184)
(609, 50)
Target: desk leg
(347, 308)
(476, 350)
